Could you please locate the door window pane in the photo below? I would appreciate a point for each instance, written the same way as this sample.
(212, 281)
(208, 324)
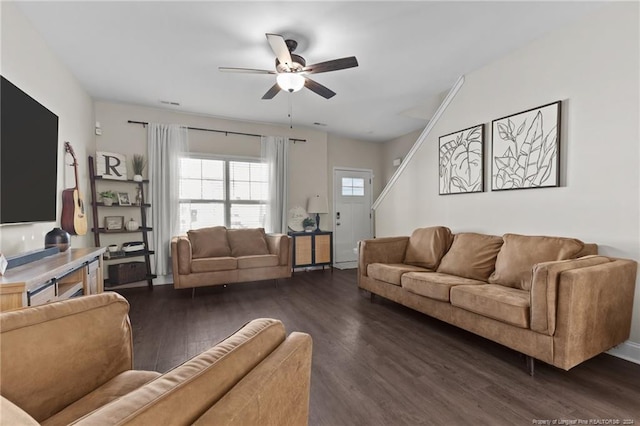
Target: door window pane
(353, 187)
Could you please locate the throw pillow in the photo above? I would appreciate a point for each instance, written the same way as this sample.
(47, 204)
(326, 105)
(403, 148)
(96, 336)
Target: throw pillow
(247, 242)
(519, 253)
(471, 256)
(209, 242)
(427, 246)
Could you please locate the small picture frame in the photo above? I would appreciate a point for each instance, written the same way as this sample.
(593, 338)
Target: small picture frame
(113, 223)
(123, 199)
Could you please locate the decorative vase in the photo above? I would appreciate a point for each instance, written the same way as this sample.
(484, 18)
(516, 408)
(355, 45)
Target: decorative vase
(107, 201)
(137, 178)
(132, 225)
(57, 238)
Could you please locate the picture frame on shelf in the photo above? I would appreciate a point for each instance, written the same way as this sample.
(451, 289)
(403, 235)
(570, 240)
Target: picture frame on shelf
(123, 199)
(113, 223)
(461, 161)
(525, 149)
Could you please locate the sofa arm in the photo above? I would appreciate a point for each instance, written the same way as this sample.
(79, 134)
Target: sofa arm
(181, 255)
(380, 250)
(54, 354)
(280, 245)
(595, 306)
(274, 393)
(184, 394)
(544, 290)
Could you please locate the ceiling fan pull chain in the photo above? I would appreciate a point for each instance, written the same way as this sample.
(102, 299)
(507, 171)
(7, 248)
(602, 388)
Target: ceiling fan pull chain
(291, 110)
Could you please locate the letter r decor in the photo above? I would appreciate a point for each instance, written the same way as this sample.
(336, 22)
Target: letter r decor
(110, 165)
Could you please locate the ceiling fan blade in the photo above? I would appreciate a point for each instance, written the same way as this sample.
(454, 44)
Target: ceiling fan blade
(318, 88)
(275, 89)
(280, 48)
(334, 65)
(245, 70)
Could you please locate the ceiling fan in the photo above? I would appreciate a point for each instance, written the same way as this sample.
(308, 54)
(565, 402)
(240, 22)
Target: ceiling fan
(292, 70)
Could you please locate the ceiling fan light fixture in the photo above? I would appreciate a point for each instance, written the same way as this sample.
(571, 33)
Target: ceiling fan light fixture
(289, 81)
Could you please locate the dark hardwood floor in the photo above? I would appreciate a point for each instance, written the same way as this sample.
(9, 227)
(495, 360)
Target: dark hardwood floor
(381, 363)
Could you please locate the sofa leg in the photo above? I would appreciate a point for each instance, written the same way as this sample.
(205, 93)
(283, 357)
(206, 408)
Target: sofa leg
(371, 297)
(276, 281)
(531, 363)
(193, 292)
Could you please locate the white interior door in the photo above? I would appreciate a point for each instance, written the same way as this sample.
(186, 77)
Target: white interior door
(352, 220)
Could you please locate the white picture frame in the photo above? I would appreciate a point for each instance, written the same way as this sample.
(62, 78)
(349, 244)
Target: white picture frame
(123, 199)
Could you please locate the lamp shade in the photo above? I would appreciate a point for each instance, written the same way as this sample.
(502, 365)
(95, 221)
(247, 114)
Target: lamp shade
(290, 81)
(318, 204)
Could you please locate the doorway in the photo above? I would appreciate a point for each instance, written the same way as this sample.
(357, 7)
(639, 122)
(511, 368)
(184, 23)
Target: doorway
(352, 218)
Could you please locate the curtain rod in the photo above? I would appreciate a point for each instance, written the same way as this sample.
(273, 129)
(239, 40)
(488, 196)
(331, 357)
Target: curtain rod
(226, 132)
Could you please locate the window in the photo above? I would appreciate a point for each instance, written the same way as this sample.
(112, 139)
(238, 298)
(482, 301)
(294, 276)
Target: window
(353, 187)
(229, 192)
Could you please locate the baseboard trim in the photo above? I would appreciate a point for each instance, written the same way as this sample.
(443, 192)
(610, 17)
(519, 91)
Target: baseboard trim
(629, 351)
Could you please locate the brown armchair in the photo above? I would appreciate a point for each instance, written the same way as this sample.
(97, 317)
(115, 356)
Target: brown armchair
(71, 362)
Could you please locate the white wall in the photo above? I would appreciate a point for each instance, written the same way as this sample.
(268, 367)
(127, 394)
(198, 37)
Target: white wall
(308, 160)
(356, 154)
(27, 62)
(593, 67)
(396, 148)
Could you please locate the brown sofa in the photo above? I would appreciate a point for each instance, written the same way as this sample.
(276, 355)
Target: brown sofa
(217, 255)
(71, 362)
(553, 299)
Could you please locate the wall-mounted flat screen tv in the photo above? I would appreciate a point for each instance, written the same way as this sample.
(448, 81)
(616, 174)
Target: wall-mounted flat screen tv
(28, 158)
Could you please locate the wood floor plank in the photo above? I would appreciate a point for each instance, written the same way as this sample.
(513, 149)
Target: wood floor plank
(381, 363)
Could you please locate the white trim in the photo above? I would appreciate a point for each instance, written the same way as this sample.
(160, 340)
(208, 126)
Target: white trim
(423, 136)
(628, 350)
(333, 206)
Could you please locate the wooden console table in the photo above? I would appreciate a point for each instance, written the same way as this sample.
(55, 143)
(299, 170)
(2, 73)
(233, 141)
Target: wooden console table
(61, 276)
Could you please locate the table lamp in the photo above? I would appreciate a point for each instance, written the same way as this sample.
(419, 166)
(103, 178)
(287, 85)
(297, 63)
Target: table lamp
(317, 205)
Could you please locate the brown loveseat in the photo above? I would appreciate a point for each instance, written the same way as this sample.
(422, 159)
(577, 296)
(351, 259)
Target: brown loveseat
(71, 362)
(217, 255)
(553, 299)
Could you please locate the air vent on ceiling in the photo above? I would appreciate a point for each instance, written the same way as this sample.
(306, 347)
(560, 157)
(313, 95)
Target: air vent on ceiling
(170, 103)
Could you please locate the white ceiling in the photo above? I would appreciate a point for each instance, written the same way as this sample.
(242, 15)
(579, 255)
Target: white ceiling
(410, 53)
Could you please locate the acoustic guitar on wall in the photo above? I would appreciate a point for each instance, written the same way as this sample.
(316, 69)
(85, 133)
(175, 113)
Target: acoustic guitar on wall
(74, 218)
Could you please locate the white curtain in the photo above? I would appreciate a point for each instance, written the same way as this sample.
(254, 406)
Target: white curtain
(275, 153)
(165, 144)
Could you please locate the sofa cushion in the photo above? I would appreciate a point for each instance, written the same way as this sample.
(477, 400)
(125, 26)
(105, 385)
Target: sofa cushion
(433, 284)
(391, 272)
(509, 305)
(247, 242)
(214, 264)
(259, 261)
(471, 256)
(209, 242)
(120, 385)
(427, 246)
(514, 264)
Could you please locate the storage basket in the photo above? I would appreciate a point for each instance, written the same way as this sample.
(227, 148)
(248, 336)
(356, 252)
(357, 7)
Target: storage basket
(127, 272)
